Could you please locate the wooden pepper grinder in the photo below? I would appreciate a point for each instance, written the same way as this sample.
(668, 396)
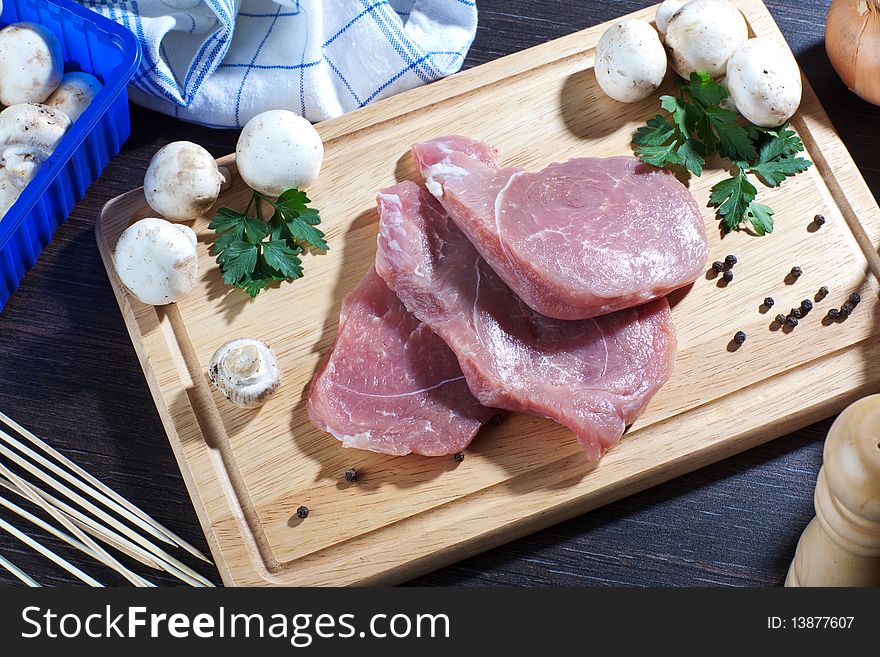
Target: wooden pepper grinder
(841, 545)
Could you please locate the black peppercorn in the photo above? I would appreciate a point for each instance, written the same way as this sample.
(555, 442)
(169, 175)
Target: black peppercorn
(458, 457)
(797, 313)
(728, 276)
(791, 320)
(819, 220)
(730, 260)
(834, 313)
(823, 291)
(846, 309)
(780, 319)
(496, 419)
(739, 337)
(796, 272)
(806, 305)
(769, 302)
(718, 266)
(854, 298)
(302, 512)
(351, 475)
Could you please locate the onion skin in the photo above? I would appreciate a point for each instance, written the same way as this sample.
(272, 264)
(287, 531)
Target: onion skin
(852, 39)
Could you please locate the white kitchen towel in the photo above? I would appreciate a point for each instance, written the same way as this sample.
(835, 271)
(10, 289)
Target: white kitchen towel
(220, 62)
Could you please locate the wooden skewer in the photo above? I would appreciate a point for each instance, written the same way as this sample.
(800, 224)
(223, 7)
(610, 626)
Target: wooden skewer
(46, 552)
(71, 495)
(48, 449)
(138, 555)
(103, 556)
(110, 539)
(85, 488)
(159, 558)
(127, 546)
(45, 526)
(18, 572)
(134, 542)
(138, 547)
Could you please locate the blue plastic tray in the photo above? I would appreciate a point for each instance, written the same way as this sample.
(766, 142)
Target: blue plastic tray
(90, 43)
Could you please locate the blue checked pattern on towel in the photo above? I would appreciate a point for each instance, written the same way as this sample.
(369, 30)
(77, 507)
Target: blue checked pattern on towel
(220, 62)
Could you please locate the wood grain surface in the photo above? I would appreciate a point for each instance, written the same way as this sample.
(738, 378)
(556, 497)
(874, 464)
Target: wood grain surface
(68, 371)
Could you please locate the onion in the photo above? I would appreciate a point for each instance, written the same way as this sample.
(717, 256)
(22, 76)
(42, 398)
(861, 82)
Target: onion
(852, 38)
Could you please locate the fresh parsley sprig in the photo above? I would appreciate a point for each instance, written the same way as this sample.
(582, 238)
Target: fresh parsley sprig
(699, 125)
(253, 253)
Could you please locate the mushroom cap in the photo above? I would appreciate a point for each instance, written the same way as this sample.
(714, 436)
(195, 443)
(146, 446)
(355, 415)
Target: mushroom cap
(74, 94)
(630, 61)
(703, 34)
(11, 187)
(182, 181)
(157, 261)
(29, 133)
(31, 63)
(246, 372)
(279, 150)
(665, 12)
(765, 82)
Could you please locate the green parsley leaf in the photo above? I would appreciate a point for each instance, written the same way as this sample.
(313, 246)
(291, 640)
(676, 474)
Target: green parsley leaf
(691, 153)
(253, 286)
(732, 197)
(733, 140)
(678, 109)
(662, 144)
(660, 156)
(254, 254)
(237, 260)
(761, 218)
(700, 123)
(777, 170)
(278, 255)
(227, 219)
(293, 219)
(255, 231)
(657, 132)
(704, 91)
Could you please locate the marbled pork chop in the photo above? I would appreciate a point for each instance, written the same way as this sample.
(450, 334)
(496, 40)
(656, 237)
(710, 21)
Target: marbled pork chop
(390, 384)
(594, 376)
(579, 239)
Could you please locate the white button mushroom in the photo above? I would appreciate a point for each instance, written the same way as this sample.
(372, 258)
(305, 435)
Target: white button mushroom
(246, 372)
(664, 13)
(630, 61)
(11, 187)
(182, 181)
(74, 94)
(702, 35)
(30, 63)
(28, 135)
(765, 82)
(157, 261)
(279, 150)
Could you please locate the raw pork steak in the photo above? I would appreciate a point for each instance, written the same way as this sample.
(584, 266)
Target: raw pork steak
(578, 239)
(389, 383)
(594, 376)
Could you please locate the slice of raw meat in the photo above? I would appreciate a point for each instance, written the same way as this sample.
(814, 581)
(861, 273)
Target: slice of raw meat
(390, 384)
(594, 376)
(578, 239)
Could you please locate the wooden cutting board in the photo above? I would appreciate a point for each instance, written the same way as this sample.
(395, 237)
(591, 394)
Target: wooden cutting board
(248, 471)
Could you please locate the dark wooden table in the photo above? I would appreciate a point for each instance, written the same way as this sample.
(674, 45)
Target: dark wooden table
(68, 371)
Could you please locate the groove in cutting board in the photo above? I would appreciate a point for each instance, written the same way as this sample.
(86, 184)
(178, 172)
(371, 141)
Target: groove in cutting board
(248, 471)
